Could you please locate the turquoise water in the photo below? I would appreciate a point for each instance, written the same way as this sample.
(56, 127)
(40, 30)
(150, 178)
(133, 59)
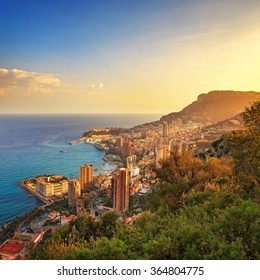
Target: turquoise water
(31, 145)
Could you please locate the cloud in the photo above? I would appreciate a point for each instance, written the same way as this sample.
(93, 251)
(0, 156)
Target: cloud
(94, 89)
(14, 80)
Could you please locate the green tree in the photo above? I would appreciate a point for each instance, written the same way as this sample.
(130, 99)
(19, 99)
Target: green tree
(251, 117)
(107, 224)
(181, 169)
(181, 174)
(244, 147)
(85, 225)
(242, 222)
(104, 249)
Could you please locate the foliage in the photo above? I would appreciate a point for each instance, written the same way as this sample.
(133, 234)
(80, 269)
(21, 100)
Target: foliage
(8, 230)
(199, 210)
(104, 249)
(180, 174)
(244, 147)
(210, 230)
(60, 206)
(251, 117)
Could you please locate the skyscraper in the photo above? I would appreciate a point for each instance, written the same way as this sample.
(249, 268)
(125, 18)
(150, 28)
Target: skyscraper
(162, 152)
(119, 142)
(86, 176)
(74, 192)
(159, 153)
(121, 190)
(165, 130)
(126, 148)
(166, 151)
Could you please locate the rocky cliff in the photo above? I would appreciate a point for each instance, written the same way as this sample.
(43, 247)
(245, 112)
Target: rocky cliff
(214, 106)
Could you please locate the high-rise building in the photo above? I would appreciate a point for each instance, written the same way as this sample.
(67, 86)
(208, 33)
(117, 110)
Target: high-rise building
(165, 130)
(166, 151)
(121, 190)
(119, 142)
(86, 176)
(159, 153)
(126, 148)
(162, 152)
(74, 192)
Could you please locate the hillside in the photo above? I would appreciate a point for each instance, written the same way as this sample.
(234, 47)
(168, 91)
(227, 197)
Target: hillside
(236, 122)
(214, 106)
(199, 210)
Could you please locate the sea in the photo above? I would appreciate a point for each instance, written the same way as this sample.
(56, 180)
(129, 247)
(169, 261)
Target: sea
(32, 145)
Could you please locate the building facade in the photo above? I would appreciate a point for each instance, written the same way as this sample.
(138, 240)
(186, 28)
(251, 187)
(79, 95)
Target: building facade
(165, 130)
(126, 148)
(121, 190)
(86, 177)
(74, 192)
(49, 188)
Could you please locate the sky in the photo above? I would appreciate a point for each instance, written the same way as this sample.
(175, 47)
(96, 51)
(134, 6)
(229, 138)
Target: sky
(124, 56)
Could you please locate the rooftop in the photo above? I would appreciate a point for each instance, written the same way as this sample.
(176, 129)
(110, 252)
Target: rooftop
(12, 247)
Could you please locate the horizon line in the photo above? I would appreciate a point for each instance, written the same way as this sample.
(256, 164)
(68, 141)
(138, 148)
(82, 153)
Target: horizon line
(99, 113)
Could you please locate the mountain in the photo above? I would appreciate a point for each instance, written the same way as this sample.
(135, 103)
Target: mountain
(214, 106)
(230, 124)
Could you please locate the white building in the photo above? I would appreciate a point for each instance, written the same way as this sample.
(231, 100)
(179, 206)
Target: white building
(134, 171)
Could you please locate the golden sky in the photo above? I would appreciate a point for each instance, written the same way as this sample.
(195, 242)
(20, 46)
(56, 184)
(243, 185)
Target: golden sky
(126, 58)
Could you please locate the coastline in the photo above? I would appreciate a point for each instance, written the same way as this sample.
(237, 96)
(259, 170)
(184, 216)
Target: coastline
(78, 140)
(105, 158)
(34, 193)
(46, 202)
(53, 133)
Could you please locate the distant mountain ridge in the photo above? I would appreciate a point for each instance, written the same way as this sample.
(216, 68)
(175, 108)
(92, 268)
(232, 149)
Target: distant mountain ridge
(214, 106)
(236, 122)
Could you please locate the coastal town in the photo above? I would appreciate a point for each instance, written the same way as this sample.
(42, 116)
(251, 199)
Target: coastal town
(136, 152)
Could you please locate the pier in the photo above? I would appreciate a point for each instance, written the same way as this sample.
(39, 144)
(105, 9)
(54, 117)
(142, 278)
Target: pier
(79, 140)
(33, 192)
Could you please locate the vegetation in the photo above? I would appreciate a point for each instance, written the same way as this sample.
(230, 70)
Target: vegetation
(8, 230)
(111, 131)
(244, 147)
(251, 117)
(61, 206)
(199, 210)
